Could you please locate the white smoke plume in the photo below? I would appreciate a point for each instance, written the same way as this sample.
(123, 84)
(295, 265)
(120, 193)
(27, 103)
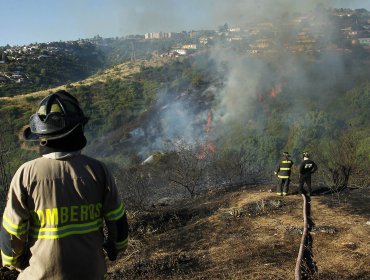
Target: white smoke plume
(250, 77)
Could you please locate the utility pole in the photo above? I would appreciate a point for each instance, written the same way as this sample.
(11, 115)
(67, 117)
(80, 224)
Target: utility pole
(133, 57)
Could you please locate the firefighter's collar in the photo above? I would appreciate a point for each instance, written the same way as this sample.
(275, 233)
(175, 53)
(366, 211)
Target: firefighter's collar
(62, 155)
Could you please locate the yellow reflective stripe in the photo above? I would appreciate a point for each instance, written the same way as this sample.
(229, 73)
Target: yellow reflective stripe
(283, 177)
(8, 259)
(284, 168)
(60, 232)
(286, 161)
(122, 244)
(12, 228)
(115, 214)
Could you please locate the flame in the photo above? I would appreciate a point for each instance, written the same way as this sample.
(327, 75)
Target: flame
(208, 126)
(207, 147)
(278, 88)
(273, 92)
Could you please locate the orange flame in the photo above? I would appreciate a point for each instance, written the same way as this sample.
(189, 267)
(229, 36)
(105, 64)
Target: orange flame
(208, 126)
(273, 92)
(208, 147)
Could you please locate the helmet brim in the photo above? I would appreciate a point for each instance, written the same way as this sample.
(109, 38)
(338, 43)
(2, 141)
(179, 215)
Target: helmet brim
(28, 135)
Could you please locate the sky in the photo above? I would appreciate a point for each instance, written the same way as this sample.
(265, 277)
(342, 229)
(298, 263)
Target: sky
(24, 22)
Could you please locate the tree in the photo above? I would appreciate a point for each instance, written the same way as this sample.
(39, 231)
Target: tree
(236, 166)
(224, 28)
(137, 182)
(338, 160)
(186, 169)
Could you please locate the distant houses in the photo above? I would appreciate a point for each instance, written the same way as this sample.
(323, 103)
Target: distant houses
(158, 35)
(306, 34)
(364, 41)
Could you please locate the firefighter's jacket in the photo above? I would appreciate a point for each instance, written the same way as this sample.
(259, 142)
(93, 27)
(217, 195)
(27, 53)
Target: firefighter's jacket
(52, 225)
(284, 168)
(307, 168)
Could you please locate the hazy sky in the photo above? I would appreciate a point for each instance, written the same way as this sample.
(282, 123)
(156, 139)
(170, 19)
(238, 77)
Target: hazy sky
(25, 21)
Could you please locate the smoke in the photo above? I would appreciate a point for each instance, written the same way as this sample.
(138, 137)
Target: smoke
(176, 121)
(313, 72)
(173, 121)
(304, 81)
(302, 76)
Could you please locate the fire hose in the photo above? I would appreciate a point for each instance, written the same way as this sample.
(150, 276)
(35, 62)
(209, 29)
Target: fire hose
(305, 266)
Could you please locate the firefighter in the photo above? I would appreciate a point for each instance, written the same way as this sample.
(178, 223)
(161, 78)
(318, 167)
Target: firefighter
(306, 168)
(52, 225)
(283, 172)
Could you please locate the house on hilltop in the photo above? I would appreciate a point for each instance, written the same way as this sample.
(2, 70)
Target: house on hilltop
(158, 35)
(364, 41)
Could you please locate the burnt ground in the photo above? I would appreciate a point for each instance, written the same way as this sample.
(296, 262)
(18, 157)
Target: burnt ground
(247, 233)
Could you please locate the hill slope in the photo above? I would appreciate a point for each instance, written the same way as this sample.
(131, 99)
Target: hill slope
(247, 233)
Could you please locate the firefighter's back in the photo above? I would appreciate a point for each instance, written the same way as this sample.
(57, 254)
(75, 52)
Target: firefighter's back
(65, 198)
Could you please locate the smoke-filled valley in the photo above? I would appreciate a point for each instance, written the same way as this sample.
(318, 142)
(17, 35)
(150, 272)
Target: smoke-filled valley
(278, 102)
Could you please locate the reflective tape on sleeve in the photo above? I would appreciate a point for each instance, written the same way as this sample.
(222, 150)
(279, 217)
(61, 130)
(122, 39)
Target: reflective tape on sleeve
(115, 214)
(13, 228)
(122, 244)
(9, 260)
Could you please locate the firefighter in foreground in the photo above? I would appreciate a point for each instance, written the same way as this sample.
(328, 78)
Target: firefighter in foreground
(57, 204)
(283, 172)
(306, 168)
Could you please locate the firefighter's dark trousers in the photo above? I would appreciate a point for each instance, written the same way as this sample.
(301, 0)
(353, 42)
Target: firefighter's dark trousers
(283, 186)
(302, 180)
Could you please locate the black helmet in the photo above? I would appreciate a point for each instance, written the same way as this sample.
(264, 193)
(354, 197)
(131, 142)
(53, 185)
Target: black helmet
(57, 116)
(306, 154)
(286, 154)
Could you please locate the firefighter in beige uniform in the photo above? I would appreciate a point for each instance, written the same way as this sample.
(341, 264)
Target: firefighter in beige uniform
(52, 226)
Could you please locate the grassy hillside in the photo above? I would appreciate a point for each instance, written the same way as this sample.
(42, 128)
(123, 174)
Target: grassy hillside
(41, 66)
(142, 107)
(210, 121)
(15, 111)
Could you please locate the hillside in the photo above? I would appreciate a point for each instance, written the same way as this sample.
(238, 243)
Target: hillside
(193, 140)
(240, 125)
(177, 132)
(15, 111)
(46, 65)
(120, 72)
(247, 232)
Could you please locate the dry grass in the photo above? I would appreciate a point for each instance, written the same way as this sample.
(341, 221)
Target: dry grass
(246, 233)
(121, 71)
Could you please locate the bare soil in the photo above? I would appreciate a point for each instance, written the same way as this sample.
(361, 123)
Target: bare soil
(248, 233)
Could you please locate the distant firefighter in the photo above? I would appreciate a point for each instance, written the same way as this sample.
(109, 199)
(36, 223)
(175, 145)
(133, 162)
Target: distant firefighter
(306, 168)
(283, 172)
